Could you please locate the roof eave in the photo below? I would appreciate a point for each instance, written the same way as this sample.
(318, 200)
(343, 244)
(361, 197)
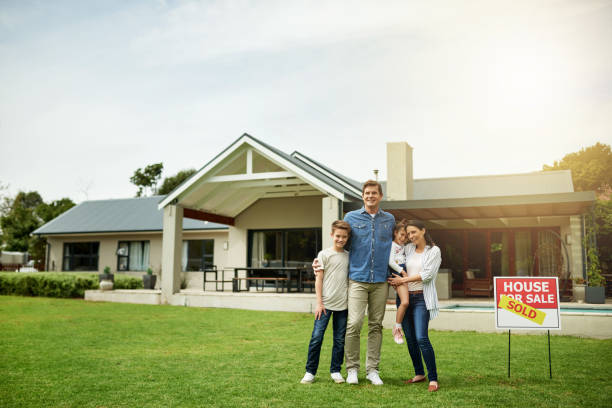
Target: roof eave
(248, 139)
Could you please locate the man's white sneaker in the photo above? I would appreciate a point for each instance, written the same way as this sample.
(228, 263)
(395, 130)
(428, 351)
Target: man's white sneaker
(337, 377)
(374, 378)
(351, 377)
(308, 378)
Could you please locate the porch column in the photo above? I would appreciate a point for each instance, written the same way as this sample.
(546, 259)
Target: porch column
(576, 246)
(172, 242)
(330, 213)
(238, 246)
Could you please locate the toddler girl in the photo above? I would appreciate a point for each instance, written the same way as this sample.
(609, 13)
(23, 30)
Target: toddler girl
(397, 262)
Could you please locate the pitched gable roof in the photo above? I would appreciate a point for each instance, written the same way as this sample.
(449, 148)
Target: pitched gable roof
(320, 180)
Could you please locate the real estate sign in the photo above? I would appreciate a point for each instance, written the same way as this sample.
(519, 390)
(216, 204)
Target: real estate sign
(527, 303)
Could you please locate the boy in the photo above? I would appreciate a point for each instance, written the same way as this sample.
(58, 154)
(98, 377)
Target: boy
(331, 286)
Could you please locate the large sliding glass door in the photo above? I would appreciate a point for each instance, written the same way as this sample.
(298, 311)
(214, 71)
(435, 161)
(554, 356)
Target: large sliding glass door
(480, 254)
(500, 253)
(477, 255)
(523, 253)
(266, 248)
(290, 247)
(451, 244)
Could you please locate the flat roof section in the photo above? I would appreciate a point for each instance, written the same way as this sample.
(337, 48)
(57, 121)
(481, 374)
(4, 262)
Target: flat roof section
(538, 205)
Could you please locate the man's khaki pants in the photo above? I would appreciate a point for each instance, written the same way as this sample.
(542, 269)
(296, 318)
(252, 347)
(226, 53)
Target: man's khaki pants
(374, 297)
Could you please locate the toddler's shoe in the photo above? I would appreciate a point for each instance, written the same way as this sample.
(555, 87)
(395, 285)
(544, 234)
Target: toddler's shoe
(397, 334)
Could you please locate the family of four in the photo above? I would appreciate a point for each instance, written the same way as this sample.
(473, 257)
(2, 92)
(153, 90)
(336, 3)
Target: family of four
(349, 282)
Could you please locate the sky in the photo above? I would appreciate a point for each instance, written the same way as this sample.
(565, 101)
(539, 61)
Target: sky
(92, 90)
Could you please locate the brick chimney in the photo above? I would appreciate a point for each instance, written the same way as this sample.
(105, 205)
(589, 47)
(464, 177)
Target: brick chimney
(399, 171)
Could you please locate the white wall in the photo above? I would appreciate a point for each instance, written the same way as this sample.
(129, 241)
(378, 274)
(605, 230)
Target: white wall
(109, 244)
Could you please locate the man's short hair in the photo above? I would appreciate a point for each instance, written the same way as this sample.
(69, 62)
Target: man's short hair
(371, 183)
(339, 224)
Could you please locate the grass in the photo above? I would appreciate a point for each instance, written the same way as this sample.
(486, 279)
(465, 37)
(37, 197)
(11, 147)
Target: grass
(72, 353)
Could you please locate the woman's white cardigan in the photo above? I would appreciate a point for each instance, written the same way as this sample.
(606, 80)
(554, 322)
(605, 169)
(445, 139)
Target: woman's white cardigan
(431, 259)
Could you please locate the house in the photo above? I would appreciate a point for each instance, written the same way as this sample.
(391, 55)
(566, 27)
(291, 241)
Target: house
(126, 235)
(257, 205)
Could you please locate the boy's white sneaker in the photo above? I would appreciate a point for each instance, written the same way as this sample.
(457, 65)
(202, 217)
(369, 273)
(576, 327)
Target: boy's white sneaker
(374, 378)
(351, 377)
(337, 377)
(308, 378)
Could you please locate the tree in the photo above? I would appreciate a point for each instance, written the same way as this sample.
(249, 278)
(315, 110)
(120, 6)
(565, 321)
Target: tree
(147, 178)
(172, 182)
(4, 207)
(591, 168)
(601, 217)
(24, 214)
(20, 220)
(592, 171)
(47, 212)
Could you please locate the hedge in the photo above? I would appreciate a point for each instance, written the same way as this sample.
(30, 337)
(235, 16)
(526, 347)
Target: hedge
(59, 285)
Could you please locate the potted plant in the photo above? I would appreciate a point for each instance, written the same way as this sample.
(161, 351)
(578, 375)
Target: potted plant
(267, 258)
(149, 280)
(578, 290)
(107, 279)
(595, 292)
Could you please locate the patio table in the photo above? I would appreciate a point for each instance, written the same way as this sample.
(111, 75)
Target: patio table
(271, 273)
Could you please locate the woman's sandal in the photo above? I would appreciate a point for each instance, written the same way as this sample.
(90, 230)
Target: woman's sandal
(433, 387)
(413, 381)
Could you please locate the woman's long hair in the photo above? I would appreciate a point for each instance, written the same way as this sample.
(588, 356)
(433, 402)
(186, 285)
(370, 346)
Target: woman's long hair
(421, 225)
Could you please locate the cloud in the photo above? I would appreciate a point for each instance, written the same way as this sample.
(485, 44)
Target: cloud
(195, 31)
(484, 87)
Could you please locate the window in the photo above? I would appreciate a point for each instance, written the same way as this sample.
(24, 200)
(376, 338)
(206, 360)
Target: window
(293, 248)
(500, 253)
(523, 253)
(198, 254)
(133, 255)
(477, 254)
(81, 256)
(549, 256)
(451, 245)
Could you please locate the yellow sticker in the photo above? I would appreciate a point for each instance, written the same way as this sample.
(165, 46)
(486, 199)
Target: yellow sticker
(521, 309)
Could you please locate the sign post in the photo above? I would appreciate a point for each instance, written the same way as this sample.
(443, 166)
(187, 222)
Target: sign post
(528, 303)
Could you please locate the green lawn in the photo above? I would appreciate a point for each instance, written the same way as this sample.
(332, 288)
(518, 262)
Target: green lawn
(57, 352)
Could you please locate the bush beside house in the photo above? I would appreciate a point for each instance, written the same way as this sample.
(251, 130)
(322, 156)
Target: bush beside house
(59, 285)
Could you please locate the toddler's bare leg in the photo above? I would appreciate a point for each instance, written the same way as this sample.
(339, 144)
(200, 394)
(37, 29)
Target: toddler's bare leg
(402, 292)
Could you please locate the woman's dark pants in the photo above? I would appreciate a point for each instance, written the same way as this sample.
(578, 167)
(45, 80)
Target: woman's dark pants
(416, 326)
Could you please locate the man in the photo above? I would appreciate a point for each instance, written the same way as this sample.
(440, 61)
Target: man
(370, 245)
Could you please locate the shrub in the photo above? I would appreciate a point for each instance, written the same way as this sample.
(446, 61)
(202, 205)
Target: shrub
(60, 285)
(127, 282)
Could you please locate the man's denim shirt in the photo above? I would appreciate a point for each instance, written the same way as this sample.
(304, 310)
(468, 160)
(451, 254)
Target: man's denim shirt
(370, 245)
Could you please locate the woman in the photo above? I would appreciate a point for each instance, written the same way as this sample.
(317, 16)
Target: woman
(422, 261)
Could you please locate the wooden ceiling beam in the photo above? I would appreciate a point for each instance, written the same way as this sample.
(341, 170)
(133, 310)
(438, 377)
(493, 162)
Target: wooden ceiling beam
(206, 216)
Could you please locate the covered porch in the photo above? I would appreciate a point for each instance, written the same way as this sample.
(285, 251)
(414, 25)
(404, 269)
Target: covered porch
(527, 235)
